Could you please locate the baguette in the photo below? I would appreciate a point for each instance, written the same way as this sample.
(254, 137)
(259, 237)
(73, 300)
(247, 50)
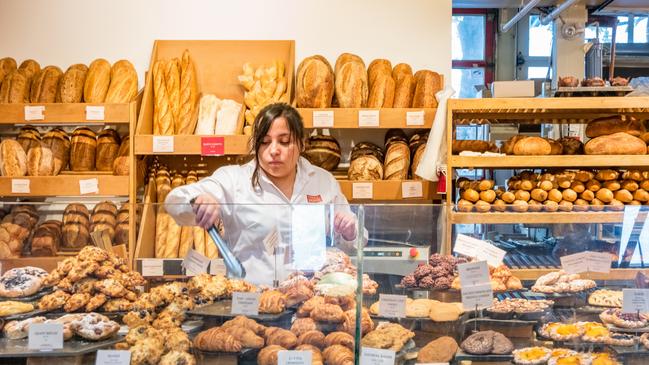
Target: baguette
(186, 121)
(172, 243)
(199, 240)
(172, 82)
(186, 240)
(211, 251)
(163, 122)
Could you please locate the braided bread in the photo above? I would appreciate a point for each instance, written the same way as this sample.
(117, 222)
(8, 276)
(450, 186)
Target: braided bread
(340, 338)
(338, 355)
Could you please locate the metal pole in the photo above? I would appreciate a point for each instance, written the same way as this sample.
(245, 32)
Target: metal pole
(524, 11)
(558, 10)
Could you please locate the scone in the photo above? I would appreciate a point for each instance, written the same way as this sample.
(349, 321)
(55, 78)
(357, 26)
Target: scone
(95, 327)
(177, 358)
(147, 351)
(95, 302)
(117, 305)
(177, 340)
(20, 329)
(53, 301)
(137, 318)
(76, 302)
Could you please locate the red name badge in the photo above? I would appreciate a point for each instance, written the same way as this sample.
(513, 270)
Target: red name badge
(314, 198)
(212, 146)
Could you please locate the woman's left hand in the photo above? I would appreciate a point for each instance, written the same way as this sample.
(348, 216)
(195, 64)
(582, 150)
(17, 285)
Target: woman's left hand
(345, 225)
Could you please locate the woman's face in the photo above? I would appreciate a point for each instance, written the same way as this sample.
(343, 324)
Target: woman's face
(279, 153)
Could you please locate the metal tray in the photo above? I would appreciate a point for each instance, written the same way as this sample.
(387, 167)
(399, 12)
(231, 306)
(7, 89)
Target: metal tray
(114, 316)
(21, 316)
(463, 356)
(223, 309)
(30, 298)
(72, 347)
(627, 330)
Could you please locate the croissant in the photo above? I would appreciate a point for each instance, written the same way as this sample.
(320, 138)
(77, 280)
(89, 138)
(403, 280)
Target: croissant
(349, 323)
(272, 301)
(298, 294)
(215, 339)
(280, 336)
(246, 336)
(345, 302)
(302, 325)
(316, 355)
(340, 338)
(314, 338)
(242, 321)
(338, 355)
(268, 355)
(328, 313)
(309, 305)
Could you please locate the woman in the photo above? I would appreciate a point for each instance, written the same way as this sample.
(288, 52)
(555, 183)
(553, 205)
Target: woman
(296, 191)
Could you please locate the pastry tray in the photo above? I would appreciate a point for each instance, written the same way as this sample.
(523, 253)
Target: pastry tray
(190, 327)
(247, 352)
(638, 349)
(627, 330)
(21, 316)
(592, 90)
(30, 298)
(72, 347)
(223, 309)
(463, 356)
(114, 316)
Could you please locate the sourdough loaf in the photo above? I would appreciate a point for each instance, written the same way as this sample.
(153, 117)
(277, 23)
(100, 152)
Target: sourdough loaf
(315, 83)
(97, 81)
(44, 85)
(83, 150)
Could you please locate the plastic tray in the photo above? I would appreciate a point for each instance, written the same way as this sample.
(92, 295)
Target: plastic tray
(73, 347)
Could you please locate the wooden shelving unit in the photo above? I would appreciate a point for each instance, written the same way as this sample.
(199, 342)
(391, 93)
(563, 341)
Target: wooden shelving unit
(66, 185)
(68, 114)
(191, 145)
(539, 218)
(526, 162)
(347, 118)
(390, 190)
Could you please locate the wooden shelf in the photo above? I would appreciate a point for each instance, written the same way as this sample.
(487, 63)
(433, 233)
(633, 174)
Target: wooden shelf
(47, 263)
(66, 114)
(347, 118)
(390, 190)
(528, 162)
(191, 145)
(537, 218)
(615, 274)
(67, 185)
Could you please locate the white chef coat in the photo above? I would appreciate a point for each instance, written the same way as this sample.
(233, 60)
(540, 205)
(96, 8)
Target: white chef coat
(250, 215)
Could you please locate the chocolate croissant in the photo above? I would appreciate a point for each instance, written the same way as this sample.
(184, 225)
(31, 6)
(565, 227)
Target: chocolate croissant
(338, 355)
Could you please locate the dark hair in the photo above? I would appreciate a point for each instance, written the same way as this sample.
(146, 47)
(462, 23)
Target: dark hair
(264, 121)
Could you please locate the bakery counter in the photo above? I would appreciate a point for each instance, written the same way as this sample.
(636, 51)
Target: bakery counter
(96, 184)
(527, 162)
(67, 113)
(192, 145)
(539, 218)
(382, 190)
(349, 118)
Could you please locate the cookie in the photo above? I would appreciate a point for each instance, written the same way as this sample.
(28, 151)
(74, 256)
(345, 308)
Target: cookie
(53, 301)
(85, 285)
(82, 270)
(139, 333)
(76, 302)
(95, 302)
(176, 340)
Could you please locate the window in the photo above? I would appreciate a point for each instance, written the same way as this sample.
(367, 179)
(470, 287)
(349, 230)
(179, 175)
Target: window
(468, 37)
(540, 38)
(630, 29)
(535, 48)
(640, 29)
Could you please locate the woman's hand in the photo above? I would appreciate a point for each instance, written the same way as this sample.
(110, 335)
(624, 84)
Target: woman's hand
(345, 224)
(206, 209)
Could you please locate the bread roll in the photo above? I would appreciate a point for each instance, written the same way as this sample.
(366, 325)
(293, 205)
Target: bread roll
(397, 161)
(186, 121)
(71, 86)
(59, 143)
(172, 82)
(427, 84)
(123, 83)
(163, 120)
(40, 161)
(45, 84)
(13, 160)
(30, 67)
(610, 125)
(83, 147)
(315, 83)
(620, 143)
(15, 88)
(97, 81)
(556, 147)
(351, 83)
(532, 146)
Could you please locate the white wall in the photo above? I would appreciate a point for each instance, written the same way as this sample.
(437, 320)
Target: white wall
(72, 31)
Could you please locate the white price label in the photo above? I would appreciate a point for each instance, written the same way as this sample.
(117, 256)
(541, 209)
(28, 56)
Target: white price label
(575, 263)
(20, 186)
(415, 118)
(34, 112)
(89, 186)
(271, 241)
(287, 357)
(113, 357)
(635, 300)
(599, 262)
(163, 144)
(412, 189)
(152, 267)
(323, 119)
(246, 304)
(368, 118)
(392, 306)
(362, 190)
(45, 336)
(217, 266)
(480, 296)
(94, 112)
(474, 273)
(195, 263)
(371, 356)
(479, 249)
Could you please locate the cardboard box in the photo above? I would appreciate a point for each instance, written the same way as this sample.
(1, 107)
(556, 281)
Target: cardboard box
(513, 89)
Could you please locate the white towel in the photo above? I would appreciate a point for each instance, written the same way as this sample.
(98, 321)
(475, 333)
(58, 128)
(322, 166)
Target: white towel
(207, 110)
(227, 118)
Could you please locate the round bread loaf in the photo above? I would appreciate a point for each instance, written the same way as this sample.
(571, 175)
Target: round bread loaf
(365, 167)
(323, 151)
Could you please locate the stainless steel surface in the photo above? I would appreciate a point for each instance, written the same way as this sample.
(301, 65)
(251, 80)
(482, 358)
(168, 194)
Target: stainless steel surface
(232, 263)
(594, 60)
(392, 260)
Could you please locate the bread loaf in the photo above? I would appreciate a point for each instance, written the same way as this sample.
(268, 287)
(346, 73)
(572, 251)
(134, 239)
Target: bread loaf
(44, 85)
(323, 151)
(186, 121)
(172, 82)
(40, 161)
(186, 240)
(365, 167)
(123, 83)
(427, 84)
(75, 235)
(172, 243)
(108, 143)
(15, 88)
(209, 107)
(620, 143)
(378, 67)
(7, 66)
(227, 118)
(163, 120)
(76, 213)
(556, 148)
(382, 91)
(315, 83)
(83, 150)
(163, 186)
(532, 146)
(97, 81)
(404, 85)
(571, 146)
(28, 137)
(30, 67)
(397, 161)
(416, 159)
(121, 165)
(47, 238)
(473, 145)
(351, 81)
(71, 85)
(59, 143)
(13, 160)
(615, 124)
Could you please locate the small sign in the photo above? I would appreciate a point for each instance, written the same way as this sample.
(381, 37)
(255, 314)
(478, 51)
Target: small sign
(412, 189)
(323, 119)
(89, 186)
(20, 186)
(362, 190)
(479, 249)
(575, 263)
(34, 112)
(113, 357)
(217, 266)
(392, 306)
(368, 118)
(212, 146)
(415, 118)
(480, 296)
(163, 144)
(474, 273)
(271, 241)
(195, 263)
(371, 356)
(599, 262)
(246, 304)
(94, 112)
(45, 336)
(152, 267)
(286, 357)
(635, 300)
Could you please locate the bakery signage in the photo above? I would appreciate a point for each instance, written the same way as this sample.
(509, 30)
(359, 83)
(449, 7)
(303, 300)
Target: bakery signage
(163, 144)
(36, 112)
(294, 357)
(195, 263)
(246, 304)
(212, 146)
(479, 249)
(323, 119)
(45, 336)
(586, 261)
(113, 357)
(476, 288)
(368, 118)
(94, 112)
(392, 306)
(635, 300)
(371, 356)
(415, 118)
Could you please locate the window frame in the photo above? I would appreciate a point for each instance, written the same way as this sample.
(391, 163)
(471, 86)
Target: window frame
(523, 46)
(490, 41)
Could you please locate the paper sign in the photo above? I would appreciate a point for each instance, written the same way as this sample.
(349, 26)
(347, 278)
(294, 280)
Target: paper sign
(599, 262)
(20, 186)
(362, 190)
(415, 118)
(392, 306)
(575, 263)
(163, 144)
(479, 249)
(34, 112)
(94, 112)
(212, 146)
(152, 267)
(474, 273)
(286, 357)
(371, 356)
(635, 300)
(217, 266)
(113, 357)
(195, 263)
(271, 241)
(45, 336)
(412, 189)
(368, 118)
(480, 296)
(323, 119)
(89, 186)
(246, 304)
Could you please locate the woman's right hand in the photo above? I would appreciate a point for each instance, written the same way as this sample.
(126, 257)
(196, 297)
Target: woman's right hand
(206, 209)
